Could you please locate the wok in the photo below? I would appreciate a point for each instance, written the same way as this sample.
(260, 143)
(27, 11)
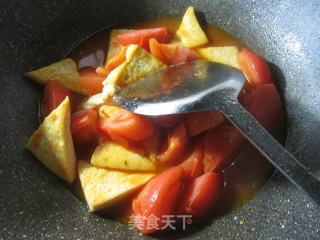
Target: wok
(35, 204)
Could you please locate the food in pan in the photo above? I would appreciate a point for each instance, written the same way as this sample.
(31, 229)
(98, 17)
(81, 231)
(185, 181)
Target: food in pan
(186, 166)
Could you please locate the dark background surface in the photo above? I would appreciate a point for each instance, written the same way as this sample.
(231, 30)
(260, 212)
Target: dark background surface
(35, 204)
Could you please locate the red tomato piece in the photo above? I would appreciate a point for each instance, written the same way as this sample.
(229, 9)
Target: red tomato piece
(183, 54)
(113, 63)
(155, 50)
(172, 54)
(219, 144)
(117, 60)
(127, 126)
(157, 198)
(168, 120)
(83, 125)
(199, 122)
(202, 194)
(102, 71)
(142, 36)
(266, 106)
(255, 68)
(176, 145)
(91, 81)
(193, 165)
(54, 94)
(246, 93)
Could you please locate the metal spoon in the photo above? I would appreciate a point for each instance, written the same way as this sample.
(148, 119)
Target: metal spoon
(202, 85)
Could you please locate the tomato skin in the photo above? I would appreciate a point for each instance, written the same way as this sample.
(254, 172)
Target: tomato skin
(54, 94)
(127, 126)
(219, 144)
(266, 106)
(176, 144)
(142, 36)
(199, 122)
(171, 54)
(193, 165)
(255, 68)
(201, 195)
(91, 81)
(83, 125)
(158, 198)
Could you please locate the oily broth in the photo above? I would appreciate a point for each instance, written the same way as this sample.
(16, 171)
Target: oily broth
(244, 174)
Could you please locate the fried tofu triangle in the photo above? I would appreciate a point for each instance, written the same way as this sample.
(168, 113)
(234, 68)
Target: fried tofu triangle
(65, 72)
(52, 143)
(115, 156)
(225, 55)
(103, 187)
(139, 63)
(190, 33)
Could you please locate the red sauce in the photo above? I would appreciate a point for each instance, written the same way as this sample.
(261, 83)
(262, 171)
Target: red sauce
(244, 174)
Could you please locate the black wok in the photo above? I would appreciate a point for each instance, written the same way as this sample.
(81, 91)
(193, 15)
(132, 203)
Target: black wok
(35, 204)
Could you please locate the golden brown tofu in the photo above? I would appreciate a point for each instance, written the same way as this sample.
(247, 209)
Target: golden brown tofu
(139, 63)
(52, 143)
(103, 187)
(115, 156)
(65, 72)
(225, 55)
(107, 111)
(100, 99)
(190, 33)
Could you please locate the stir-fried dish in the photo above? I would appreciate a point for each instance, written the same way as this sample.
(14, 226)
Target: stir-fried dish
(143, 170)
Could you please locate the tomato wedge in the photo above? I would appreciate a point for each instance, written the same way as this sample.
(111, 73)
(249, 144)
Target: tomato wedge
(219, 144)
(113, 63)
(199, 122)
(255, 68)
(54, 94)
(157, 199)
(83, 125)
(200, 197)
(156, 51)
(168, 120)
(142, 36)
(176, 144)
(171, 54)
(91, 80)
(266, 106)
(128, 126)
(193, 165)
(246, 94)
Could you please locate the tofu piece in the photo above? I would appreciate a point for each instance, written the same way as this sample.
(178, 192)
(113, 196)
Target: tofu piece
(225, 55)
(52, 143)
(115, 156)
(100, 99)
(114, 46)
(65, 72)
(190, 33)
(139, 63)
(103, 187)
(94, 101)
(107, 111)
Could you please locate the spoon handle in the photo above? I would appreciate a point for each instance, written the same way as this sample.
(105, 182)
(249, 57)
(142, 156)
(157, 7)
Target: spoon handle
(287, 164)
